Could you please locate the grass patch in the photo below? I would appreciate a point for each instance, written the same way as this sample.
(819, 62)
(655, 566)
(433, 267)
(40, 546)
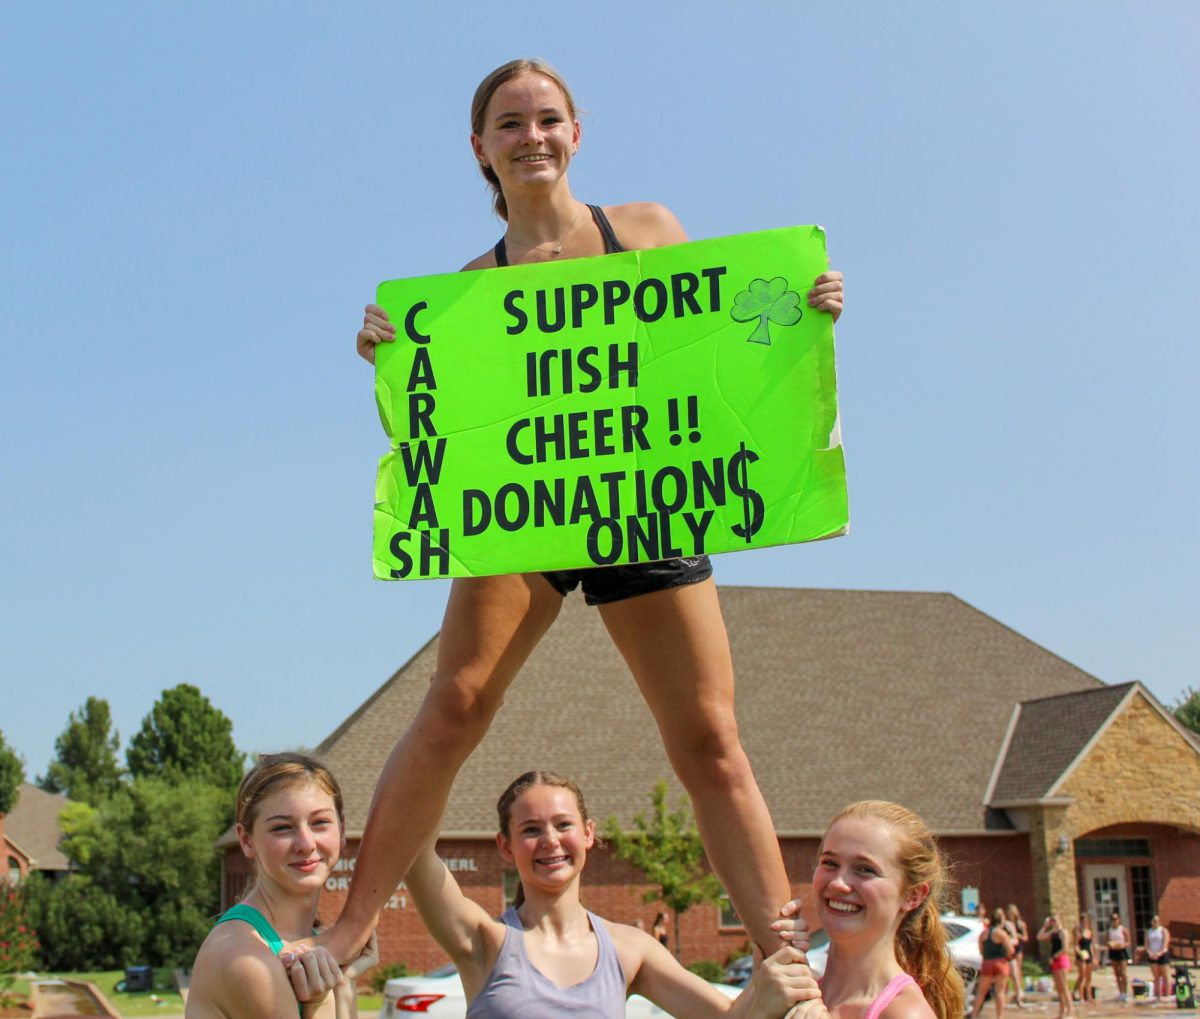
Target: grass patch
(140, 1003)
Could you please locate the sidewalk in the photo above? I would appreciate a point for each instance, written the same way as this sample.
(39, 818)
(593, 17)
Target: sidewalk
(1041, 1003)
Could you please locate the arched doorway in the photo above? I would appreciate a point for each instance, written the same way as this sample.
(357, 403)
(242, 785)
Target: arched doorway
(1129, 869)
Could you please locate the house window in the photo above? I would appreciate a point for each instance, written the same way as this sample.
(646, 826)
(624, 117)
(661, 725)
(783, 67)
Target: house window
(1143, 897)
(1094, 848)
(728, 915)
(512, 882)
(14, 870)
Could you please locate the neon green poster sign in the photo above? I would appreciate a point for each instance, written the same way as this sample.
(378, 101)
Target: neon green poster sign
(618, 409)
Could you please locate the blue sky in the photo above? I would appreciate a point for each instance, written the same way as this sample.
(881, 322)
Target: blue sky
(197, 201)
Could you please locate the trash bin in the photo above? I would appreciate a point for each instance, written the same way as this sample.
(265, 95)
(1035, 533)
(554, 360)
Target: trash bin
(1185, 993)
(139, 978)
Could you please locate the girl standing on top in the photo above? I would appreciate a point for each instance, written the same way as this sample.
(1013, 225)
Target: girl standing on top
(664, 617)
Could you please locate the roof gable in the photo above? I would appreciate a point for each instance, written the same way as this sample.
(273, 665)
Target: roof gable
(33, 824)
(1048, 738)
(841, 695)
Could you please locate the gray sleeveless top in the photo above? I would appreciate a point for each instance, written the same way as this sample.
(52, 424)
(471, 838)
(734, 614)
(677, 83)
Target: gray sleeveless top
(516, 989)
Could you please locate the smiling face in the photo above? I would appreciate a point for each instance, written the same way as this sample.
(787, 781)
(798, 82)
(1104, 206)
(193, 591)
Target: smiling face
(295, 837)
(858, 884)
(547, 838)
(528, 132)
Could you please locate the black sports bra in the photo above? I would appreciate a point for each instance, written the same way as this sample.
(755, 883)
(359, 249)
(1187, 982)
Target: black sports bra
(611, 244)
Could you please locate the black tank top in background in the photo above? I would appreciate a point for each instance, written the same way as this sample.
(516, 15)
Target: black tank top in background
(611, 244)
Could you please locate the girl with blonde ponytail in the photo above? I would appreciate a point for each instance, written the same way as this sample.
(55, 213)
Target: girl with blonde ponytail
(879, 886)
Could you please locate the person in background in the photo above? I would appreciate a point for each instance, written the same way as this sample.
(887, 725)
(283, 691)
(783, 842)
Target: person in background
(1157, 945)
(996, 949)
(1116, 937)
(1085, 956)
(659, 930)
(1018, 930)
(1060, 963)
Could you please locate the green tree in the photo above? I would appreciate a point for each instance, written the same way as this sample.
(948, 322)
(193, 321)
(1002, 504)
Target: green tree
(767, 301)
(85, 766)
(147, 851)
(82, 927)
(666, 847)
(1187, 711)
(185, 737)
(12, 774)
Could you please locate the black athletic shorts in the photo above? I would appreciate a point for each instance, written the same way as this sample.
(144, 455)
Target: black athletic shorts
(604, 584)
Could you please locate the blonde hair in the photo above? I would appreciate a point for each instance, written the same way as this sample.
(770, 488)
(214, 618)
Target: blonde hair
(921, 938)
(483, 96)
(273, 772)
(517, 788)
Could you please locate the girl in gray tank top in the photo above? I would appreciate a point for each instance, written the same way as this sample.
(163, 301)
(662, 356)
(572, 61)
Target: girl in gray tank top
(517, 987)
(547, 956)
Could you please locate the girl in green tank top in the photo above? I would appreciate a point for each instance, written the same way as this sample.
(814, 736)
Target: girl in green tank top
(289, 822)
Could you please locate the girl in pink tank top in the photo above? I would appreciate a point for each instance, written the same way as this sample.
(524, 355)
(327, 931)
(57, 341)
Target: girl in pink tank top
(878, 888)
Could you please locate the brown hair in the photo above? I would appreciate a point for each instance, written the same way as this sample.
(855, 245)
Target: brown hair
(921, 938)
(483, 96)
(272, 772)
(517, 788)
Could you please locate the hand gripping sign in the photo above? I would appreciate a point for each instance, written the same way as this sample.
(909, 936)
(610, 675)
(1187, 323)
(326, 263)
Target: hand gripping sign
(618, 409)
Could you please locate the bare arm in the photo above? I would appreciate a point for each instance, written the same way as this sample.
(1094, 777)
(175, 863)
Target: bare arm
(461, 926)
(240, 978)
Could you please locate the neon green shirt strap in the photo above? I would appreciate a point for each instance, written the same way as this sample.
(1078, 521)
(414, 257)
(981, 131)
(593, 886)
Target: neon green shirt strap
(250, 915)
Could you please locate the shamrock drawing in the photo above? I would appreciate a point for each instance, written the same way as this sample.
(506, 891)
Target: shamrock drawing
(767, 301)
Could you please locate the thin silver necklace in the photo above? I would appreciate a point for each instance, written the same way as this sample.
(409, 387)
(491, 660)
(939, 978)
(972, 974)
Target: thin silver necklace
(557, 249)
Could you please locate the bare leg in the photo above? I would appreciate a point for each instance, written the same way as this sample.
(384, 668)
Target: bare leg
(676, 646)
(491, 626)
(981, 988)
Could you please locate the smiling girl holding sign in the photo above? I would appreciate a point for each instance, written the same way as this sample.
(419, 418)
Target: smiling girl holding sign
(663, 616)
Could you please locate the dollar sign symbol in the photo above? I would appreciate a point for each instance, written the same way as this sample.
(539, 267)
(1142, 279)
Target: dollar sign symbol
(752, 502)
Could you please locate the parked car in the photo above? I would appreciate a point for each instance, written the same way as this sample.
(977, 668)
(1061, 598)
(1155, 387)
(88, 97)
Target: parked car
(962, 941)
(439, 995)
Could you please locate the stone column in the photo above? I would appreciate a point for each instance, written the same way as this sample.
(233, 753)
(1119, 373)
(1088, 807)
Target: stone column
(1054, 885)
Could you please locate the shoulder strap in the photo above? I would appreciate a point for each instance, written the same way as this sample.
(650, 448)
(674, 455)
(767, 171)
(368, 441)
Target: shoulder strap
(501, 252)
(250, 915)
(888, 994)
(611, 244)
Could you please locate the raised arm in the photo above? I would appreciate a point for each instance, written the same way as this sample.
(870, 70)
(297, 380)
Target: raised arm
(461, 926)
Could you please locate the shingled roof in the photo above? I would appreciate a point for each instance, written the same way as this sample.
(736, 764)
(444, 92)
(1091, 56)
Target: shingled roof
(1048, 735)
(841, 695)
(33, 826)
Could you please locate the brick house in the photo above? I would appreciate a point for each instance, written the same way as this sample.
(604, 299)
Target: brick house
(1047, 787)
(31, 834)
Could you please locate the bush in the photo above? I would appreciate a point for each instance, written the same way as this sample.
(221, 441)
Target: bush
(18, 943)
(383, 974)
(707, 969)
(82, 927)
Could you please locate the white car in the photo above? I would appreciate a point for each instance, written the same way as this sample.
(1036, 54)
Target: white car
(962, 942)
(439, 994)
